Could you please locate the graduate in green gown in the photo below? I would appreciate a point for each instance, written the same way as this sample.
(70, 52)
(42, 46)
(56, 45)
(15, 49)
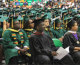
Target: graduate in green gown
(58, 31)
(48, 29)
(15, 43)
(28, 26)
(4, 24)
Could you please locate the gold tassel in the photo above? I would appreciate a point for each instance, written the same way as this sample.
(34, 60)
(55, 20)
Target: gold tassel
(54, 23)
(63, 19)
(4, 25)
(66, 23)
(20, 23)
(12, 23)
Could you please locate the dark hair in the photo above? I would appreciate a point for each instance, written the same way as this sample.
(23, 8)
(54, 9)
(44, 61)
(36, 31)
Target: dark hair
(48, 19)
(37, 22)
(71, 24)
(26, 24)
(56, 22)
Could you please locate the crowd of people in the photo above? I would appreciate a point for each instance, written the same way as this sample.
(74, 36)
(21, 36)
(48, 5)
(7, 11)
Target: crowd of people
(28, 34)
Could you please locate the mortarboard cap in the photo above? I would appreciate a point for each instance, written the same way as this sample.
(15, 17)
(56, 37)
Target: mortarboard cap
(37, 22)
(2, 18)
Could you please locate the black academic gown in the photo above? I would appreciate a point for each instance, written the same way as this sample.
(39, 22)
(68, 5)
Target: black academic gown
(41, 46)
(70, 40)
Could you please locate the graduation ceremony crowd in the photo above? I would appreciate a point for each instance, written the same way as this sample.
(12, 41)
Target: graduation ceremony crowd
(31, 36)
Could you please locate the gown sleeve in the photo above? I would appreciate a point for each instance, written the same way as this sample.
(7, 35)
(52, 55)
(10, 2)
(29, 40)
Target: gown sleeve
(35, 47)
(52, 44)
(7, 41)
(68, 42)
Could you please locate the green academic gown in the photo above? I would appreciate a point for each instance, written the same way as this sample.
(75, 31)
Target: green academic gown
(29, 32)
(49, 32)
(58, 33)
(13, 38)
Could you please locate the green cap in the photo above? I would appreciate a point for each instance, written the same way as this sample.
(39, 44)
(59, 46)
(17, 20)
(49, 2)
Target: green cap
(5, 9)
(68, 18)
(5, 13)
(64, 11)
(15, 18)
(22, 13)
(58, 20)
(2, 18)
(77, 16)
(11, 13)
(38, 14)
(33, 17)
(45, 16)
(20, 18)
(26, 18)
(33, 11)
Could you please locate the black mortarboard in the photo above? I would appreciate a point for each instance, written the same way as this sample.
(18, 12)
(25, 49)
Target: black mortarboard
(37, 22)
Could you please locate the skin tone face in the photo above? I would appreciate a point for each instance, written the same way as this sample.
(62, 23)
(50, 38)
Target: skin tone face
(46, 21)
(75, 27)
(31, 24)
(59, 24)
(7, 25)
(16, 25)
(41, 27)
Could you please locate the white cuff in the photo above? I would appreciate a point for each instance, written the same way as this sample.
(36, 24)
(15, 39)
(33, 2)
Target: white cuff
(17, 48)
(25, 46)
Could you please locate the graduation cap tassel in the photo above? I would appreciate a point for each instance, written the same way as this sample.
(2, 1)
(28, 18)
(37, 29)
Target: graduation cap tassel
(63, 19)
(20, 23)
(66, 23)
(12, 23)
(4, 25)
(54, 23)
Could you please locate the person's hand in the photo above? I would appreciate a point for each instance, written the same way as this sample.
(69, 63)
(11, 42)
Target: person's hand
(61, 39)
(77, 49)
(26, 48)
(22, 50)
(54, 53)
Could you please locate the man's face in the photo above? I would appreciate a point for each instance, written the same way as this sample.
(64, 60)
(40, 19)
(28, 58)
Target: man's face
(31, 24)
(59, 24)
(41, 27)
(46, 22)
(17, 25)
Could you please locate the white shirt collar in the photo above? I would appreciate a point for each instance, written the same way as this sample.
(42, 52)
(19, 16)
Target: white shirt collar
(72, 31)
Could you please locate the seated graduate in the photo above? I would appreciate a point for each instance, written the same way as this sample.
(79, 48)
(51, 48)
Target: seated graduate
(15, 44)
(42, 47)
(48, 30)
(72, 39)
(28, 26)
(58, 30)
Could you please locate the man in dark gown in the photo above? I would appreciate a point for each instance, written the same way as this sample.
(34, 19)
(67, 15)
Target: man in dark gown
(43, 49)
